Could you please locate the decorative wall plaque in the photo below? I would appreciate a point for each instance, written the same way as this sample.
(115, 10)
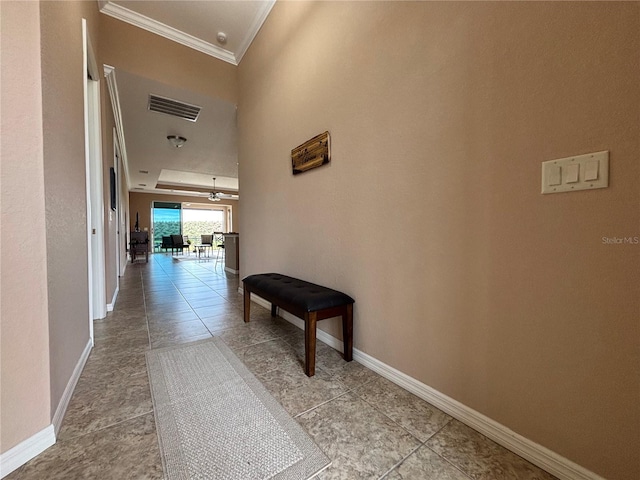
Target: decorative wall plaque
(311, 154)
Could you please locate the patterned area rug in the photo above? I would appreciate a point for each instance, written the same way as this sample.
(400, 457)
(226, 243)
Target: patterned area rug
(215, 420)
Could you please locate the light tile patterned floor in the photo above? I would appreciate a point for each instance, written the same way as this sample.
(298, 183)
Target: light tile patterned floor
(369, 427)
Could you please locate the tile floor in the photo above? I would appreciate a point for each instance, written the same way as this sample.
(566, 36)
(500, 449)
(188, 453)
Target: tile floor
(369, 427)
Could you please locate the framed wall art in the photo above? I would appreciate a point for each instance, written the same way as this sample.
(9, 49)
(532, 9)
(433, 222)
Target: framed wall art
(311, 154)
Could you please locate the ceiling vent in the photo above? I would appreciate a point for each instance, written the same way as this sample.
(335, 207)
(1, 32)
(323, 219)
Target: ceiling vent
(174, 108)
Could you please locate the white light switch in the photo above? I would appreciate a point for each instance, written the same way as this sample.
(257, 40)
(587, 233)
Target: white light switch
(591, 171)
(582, 172)
(573, 171)
(555, 175)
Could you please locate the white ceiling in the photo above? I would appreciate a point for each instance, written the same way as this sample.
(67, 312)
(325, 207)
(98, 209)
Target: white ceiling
(211, 147)
(196, 23)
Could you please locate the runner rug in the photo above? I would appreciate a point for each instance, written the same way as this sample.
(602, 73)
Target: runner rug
(215, 420)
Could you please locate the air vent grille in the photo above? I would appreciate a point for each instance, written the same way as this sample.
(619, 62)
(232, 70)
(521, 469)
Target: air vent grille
(172, 107)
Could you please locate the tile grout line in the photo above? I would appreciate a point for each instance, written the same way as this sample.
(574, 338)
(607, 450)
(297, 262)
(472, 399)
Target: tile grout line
(75, 437)
(146, 316)
(457, 467)
(422, 443)
(320, 404)
(399, 462)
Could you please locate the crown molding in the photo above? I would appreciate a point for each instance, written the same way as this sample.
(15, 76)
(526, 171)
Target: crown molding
(112, 85)
(129, 16)
(262, 15)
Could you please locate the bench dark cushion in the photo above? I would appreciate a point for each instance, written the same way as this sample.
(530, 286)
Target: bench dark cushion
(304, 295)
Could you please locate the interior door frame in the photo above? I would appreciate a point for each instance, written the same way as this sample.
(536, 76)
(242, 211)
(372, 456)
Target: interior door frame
(93, 180)
(120, 241)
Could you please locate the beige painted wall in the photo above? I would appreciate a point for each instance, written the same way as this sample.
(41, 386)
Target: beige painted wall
(64, 174)
(141, 203)
(168, 62)
(123, 220)
(110, 216)
(430, 214)
(24, 351)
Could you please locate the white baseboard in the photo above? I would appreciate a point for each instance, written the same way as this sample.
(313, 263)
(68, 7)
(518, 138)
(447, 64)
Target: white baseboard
(33, 446)
(544, 458)
(231, 270)
(111, 306)
(71, 385)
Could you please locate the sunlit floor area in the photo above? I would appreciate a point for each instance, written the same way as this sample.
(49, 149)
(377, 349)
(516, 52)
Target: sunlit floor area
(369, 427)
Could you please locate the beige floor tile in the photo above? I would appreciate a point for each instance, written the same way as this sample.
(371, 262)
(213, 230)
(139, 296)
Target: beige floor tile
(111, 345)
(481, 458)
(179, 306)
(247, 334)
(353, 374)
(414, 414)
(361, 442)
(161, 331)
(126, 450)
(206, 301)
(215, 310)
(171, 341)
(164, 298)
(296, 392)
(268, 355)
(425, 464)
(99, 403)
(177, 317)
(223, 322)
(126, 363)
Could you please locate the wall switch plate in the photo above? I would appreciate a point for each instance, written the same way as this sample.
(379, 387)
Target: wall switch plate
(583, 172)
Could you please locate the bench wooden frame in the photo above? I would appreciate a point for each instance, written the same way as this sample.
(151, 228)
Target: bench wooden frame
(310, 321)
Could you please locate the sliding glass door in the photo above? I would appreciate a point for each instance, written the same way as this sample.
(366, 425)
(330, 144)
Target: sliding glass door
(167, 220)
(198, 220)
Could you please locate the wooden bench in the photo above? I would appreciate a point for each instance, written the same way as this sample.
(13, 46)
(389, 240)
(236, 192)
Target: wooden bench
(304, 300)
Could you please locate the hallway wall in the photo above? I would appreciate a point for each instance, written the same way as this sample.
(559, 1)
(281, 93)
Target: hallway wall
(25, 407)
(110, 216)
(64, 175)
(430, 213)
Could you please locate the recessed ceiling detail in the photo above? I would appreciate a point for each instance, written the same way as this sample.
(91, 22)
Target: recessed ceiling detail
(176, 108)
(211, 149)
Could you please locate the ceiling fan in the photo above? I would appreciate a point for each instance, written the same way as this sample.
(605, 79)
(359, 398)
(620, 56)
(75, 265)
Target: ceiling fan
(214, 196)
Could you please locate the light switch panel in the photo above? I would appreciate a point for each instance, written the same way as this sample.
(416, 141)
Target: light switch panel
(583, 172)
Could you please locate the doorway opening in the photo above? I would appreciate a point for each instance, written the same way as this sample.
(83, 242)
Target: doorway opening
(166, 220)
(191, 220)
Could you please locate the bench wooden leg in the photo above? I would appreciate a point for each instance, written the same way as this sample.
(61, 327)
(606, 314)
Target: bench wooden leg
(310, 343)
(347, 332)
(247, 305)
(273, 309)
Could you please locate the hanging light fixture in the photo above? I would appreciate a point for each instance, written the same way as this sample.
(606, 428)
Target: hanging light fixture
(214, 196)
(176, 141)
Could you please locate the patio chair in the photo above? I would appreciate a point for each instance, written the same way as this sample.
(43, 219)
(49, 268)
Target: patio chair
(167, 243)
(178, 243)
